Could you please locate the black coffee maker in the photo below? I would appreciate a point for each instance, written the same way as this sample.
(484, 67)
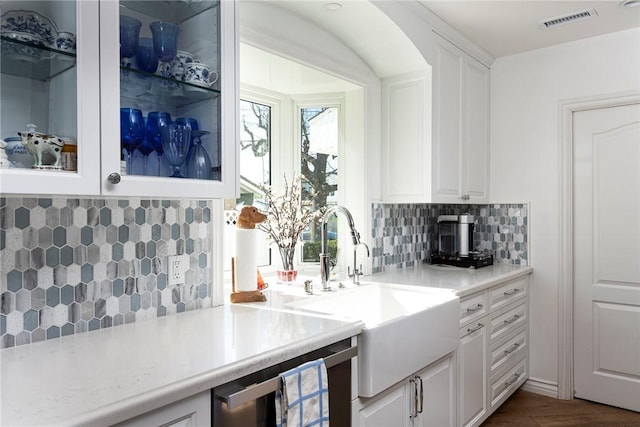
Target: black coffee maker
(456, 244)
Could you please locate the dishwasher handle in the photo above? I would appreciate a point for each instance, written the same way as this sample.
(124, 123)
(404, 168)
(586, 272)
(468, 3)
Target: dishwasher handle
(259, 390)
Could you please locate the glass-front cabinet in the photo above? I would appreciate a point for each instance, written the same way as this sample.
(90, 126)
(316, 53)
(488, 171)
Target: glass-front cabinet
(123, 98)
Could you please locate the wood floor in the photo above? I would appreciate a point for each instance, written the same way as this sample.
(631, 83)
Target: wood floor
(526, 409)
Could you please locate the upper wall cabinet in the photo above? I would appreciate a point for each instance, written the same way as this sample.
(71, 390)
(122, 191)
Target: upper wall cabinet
(460, 126)
(435, 132)
(119, 98)
(406, 138)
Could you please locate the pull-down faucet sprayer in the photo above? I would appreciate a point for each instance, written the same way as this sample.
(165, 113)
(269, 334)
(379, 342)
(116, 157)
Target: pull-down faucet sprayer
(325, 265)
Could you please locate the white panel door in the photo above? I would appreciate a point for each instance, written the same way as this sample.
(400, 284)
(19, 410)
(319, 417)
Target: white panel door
(606, 214)
(447, 111)
(475, 162)
(390, 408)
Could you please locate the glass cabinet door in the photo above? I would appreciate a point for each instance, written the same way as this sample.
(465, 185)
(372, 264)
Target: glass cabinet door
(169, 88)
(171, 84)
(39, 110)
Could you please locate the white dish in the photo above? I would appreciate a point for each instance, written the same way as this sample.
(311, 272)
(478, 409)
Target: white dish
(29, 22)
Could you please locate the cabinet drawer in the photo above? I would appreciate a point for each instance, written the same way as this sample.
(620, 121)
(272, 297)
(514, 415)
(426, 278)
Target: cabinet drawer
(504, 385)
(507, 320)
(506, 351)
(473, 307)
(473, 327)
(509, 292)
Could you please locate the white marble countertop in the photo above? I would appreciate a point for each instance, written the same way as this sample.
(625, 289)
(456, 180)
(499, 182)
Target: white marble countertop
(111, 375)
(463, 281)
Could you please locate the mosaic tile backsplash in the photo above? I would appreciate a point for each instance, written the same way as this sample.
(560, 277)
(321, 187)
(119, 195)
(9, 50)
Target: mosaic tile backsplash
(405, 235)
(74, 265)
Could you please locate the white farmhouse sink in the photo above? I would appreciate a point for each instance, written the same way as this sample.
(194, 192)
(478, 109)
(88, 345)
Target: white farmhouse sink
(406, 328)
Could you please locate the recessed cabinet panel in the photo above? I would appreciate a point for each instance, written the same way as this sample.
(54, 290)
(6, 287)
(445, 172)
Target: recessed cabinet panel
(507, 320)
(447, 111)
(473, 307)
(476, 138)
(506, 294)
(407, 141)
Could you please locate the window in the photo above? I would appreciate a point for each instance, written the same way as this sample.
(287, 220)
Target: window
(309, 146)
(319, 165)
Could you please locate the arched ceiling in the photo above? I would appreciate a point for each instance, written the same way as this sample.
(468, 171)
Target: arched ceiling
(366, 30)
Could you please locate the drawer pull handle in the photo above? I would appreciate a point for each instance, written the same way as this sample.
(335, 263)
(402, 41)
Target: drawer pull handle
(512, 348)
(474, 308)
(512, 319)
(512, 381)
(511, 292)
(476, 328)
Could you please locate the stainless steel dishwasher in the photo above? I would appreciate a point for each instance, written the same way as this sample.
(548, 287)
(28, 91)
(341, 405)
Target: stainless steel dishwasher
(250, 400)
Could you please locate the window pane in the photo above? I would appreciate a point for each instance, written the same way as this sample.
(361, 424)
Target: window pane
(255, 147)
(255, 169)
(319, 165)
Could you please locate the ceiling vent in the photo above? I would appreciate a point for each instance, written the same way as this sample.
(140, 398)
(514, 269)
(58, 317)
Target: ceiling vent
(569, 18)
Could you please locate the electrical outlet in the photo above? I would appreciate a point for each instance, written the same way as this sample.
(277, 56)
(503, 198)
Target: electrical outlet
(177, 269)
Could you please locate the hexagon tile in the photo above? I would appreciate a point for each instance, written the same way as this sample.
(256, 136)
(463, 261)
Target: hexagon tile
(74, 265)
(405, 235)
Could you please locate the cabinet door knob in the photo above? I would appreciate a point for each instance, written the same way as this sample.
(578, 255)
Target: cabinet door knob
(114, 178)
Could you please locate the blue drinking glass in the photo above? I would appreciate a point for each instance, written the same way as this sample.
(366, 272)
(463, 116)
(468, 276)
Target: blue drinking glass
(129, 36)
(176, 141)
(146, 59)
(131, 131)
(165, 40)
(156, 120)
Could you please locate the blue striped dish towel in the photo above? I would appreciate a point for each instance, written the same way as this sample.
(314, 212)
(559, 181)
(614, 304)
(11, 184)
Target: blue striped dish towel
(303, 399)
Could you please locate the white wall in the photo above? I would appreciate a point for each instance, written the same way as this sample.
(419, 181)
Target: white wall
(525, 93)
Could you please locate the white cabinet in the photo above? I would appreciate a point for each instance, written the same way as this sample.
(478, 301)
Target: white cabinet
(78, 95)
(389, 408)
(460, 126)
(493, 349)
(472, 373)
(427, 398)
(406, 138)
(437, 394)
(193, 411)
(435, 131)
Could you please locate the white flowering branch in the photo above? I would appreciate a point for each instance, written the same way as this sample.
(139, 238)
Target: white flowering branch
(287, 214)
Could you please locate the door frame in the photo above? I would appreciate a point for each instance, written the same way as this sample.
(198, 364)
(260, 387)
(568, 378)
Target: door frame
(565, 226)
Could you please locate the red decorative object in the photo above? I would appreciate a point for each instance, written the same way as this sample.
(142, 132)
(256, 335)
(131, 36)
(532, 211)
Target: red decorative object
(287, 276)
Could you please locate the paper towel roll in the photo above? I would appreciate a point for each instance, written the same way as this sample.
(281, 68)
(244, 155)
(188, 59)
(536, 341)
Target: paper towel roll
(246, 260)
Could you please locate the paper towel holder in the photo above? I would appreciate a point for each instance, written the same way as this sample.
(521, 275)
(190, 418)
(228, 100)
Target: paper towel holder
(243, 296)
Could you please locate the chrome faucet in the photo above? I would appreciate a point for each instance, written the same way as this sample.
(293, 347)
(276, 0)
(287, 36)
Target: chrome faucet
(325, 264)
(357, 272)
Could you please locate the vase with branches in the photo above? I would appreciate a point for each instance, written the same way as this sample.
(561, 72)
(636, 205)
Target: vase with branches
(288, 215)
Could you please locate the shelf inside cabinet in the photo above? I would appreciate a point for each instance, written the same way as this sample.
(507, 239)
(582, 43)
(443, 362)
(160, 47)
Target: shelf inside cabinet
(171, 11)
(152, 88)
(23, 59)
